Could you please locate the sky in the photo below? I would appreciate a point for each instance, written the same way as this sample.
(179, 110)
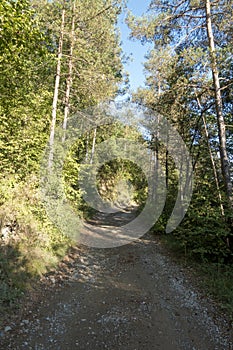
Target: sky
(135, 66)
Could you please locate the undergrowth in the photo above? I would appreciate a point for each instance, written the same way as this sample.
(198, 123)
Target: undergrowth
(30, 244)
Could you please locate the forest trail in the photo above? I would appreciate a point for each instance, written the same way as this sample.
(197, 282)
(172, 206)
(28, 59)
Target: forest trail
(127, 298)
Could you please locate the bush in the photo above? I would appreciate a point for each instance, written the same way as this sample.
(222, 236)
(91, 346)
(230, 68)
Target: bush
(29, 242)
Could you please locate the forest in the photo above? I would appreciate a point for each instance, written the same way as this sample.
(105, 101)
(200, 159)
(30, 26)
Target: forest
(61, 58)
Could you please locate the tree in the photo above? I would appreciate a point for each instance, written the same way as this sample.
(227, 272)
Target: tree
(180, 87)
(24, 79)
(56, 90)
(31, 56)
(184, 28)
(89, 67)
(219, 107)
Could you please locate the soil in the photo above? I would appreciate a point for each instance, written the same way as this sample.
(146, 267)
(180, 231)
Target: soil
(130, 297)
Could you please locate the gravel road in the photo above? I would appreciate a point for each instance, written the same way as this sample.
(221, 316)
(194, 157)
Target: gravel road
(131, 297)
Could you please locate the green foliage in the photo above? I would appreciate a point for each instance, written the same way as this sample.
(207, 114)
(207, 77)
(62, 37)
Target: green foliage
(29, 33)
(217, 280)
(24, 130)
(25, 99)
(30, 244)
(120, 179)
(180, 88)
(204, 233)
(28, 64)
(118, 172)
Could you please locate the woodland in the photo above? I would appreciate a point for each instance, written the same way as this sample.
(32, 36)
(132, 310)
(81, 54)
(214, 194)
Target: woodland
(62, 56)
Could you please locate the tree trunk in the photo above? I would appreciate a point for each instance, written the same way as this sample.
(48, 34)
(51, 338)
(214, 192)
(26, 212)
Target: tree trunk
(87, 150)
(212, 161)
(56, 88)
(225, 165)
(69, 78)
(93, 146)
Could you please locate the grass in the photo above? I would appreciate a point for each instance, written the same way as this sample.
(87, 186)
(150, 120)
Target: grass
(218, 281)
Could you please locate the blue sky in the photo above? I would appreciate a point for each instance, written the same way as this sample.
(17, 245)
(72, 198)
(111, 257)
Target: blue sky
(138, 51)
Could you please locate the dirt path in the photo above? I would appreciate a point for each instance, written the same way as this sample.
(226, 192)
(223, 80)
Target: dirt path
(131, 297)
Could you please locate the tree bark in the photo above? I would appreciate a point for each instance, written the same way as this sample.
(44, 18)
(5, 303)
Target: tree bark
(56, 89)
(93, 145)
(225, 164)
(87, 150)
(212, 160)
(70, 72)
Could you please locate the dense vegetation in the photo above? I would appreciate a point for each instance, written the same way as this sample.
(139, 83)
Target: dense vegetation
(56, 57)
(189, 81)
(59, 57)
